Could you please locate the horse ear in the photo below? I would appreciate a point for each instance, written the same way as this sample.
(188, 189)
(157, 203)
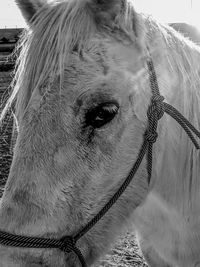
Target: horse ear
(29, 8)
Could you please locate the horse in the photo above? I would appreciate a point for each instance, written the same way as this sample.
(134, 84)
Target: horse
(82, 92)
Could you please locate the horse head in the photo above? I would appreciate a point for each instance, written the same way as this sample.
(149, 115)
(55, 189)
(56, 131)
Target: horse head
(82, 92)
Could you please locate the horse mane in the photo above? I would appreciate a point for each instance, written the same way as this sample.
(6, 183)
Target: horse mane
(177, 168)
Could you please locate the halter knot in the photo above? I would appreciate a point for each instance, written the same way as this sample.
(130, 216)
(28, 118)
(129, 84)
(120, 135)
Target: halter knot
(157, 106)
(151, 137)
(68, 244)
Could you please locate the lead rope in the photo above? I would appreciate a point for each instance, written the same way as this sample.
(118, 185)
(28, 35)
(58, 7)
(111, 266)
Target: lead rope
(155, 111)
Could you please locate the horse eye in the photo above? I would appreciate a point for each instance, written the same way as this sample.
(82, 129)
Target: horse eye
(101, 115)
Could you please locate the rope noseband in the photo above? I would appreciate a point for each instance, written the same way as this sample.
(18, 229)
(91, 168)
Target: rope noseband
(156, 110)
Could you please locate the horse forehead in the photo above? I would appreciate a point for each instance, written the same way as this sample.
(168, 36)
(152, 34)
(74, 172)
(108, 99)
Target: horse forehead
(107, 54)
(97, 86)
(110, 64)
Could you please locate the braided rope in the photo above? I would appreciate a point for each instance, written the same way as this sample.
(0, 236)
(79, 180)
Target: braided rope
(186, 125)
(65, 244)
(155, 112)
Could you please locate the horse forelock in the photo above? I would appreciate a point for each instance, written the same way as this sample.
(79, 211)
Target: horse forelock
(56, 31)
(46, 47)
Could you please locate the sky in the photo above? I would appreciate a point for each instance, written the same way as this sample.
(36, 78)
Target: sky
(163, 10)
